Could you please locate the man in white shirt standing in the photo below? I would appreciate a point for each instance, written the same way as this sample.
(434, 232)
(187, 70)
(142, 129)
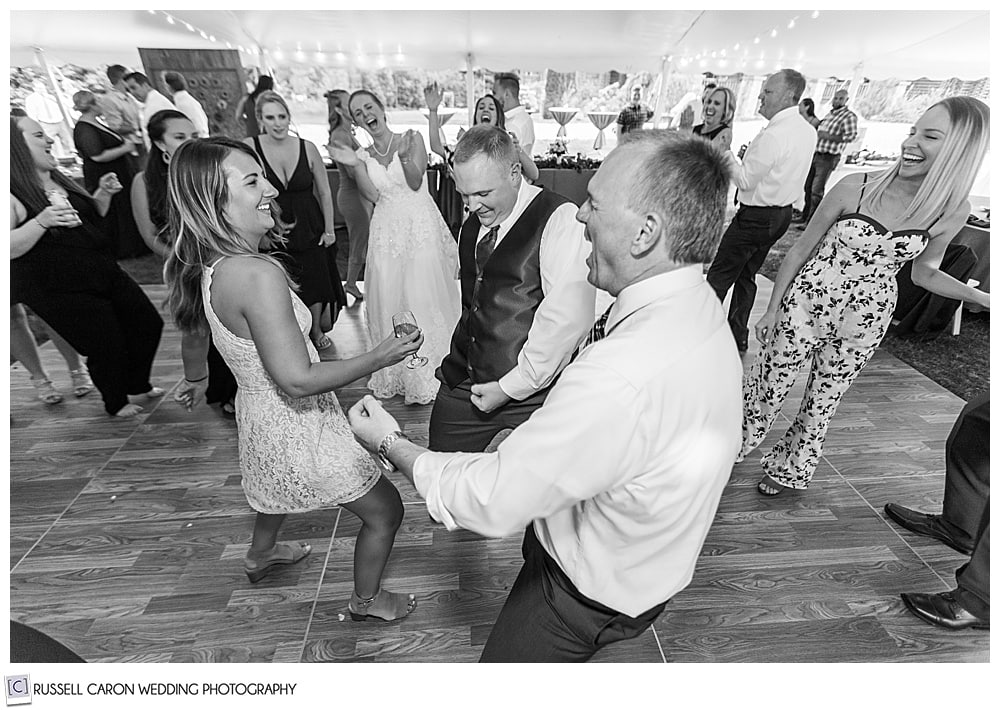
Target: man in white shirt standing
(150, 100)
(185, 102)
(770, 181)
(526, 303)
(618, 476)
(507, 89)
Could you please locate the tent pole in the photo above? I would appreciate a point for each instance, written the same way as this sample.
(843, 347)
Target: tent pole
(666, 69)
(856, 80)
(40, 56)
(470, 86)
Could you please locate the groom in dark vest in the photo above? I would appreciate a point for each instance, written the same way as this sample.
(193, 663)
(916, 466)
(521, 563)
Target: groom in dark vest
(526, 302)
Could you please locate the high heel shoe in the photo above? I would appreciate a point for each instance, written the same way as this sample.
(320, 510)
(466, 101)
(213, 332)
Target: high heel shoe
(82, 385)
(355, 291)
(46, 391)
(391, 606)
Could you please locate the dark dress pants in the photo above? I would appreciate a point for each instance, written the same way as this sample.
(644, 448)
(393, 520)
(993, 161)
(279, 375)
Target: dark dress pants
(117, 329)
(967, 500)
(973, 578)
(547, 620)
(742, 251)
(456, 424)
(967, 468)
(823, 165)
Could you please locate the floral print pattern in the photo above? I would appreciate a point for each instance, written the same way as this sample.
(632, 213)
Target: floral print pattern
(834, 315)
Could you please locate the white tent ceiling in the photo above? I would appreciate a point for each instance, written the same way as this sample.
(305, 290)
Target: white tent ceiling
(900, 44)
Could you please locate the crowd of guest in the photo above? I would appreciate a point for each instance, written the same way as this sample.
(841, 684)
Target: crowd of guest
(608, 442)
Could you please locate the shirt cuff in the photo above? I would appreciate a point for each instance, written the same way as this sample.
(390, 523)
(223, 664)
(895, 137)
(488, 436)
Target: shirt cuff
(515, 386)
(427, 471)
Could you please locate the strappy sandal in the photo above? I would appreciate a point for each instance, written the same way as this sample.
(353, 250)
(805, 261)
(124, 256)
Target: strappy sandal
(391, 606)
(46, 391)
(284, 553)
(769, 487)
(82, 385)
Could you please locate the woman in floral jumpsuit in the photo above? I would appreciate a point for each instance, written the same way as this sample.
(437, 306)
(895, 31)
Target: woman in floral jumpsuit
(831, 306)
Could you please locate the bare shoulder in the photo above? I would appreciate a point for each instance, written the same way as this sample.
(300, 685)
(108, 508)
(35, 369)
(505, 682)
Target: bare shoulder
(249, 276)
(17, 211)
(950, 224)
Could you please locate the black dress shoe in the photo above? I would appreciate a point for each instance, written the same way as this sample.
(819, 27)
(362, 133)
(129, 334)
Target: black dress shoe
(943, 610)
(927, 525)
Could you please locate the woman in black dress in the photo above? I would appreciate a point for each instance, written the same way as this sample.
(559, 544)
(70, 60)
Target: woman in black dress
(103, 151)
(167, 130)
(718, 112)
(63, 267)
(294, 167)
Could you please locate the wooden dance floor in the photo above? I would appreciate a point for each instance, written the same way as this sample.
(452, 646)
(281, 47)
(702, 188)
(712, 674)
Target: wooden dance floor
(127, 540)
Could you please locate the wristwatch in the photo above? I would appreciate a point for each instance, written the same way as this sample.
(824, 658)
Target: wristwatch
(383, 449)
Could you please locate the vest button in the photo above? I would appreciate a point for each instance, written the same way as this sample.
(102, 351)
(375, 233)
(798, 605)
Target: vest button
(473, 338)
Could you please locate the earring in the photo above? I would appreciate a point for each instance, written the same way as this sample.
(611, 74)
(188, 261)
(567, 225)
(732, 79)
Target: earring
(166, 157)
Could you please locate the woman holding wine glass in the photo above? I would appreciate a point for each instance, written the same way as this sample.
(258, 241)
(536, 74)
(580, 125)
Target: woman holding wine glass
(412, 257)
(296, 449)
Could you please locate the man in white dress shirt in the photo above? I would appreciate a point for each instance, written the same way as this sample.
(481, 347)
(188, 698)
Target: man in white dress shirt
(150, 100)
(185, 102)
(526, 303)
(507, 89)
(618, 476)
(770, 181)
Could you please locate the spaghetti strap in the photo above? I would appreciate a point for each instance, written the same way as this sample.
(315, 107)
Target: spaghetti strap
(864, 181)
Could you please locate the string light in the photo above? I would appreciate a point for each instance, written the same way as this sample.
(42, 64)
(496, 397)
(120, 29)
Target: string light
(171, 20)
(721, 58)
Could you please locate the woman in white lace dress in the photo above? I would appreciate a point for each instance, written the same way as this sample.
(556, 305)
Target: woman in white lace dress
(412, 257)
(297, 452)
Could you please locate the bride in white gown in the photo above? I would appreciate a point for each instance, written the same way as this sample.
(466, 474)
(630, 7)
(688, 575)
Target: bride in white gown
(412, 257)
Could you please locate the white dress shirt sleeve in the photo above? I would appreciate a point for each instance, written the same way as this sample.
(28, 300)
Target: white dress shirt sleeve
(570, 450)
(757, 162)
(566, 313)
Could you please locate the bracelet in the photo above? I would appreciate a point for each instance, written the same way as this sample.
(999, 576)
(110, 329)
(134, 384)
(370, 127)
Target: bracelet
(383, 449)
(35, 220)
(194, 382)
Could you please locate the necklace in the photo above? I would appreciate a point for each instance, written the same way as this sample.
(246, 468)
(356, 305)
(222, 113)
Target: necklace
(387, 148)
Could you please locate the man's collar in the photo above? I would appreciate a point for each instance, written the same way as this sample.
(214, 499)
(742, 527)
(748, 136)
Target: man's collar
(785, 113)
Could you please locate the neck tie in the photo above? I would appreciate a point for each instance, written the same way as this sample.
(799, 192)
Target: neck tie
(485, 248)
(597, 332)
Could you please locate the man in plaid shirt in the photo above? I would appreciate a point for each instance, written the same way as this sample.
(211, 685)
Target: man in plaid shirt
(835, 132)
(634, 115)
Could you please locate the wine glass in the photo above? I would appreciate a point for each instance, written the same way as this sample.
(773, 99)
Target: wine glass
(403, 323)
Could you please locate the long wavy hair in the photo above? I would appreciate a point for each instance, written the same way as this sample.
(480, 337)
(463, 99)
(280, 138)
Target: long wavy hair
(155, 172)
(197, 227)
(24, 182)
(501, 119)
(334, 118)
(949, 180)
